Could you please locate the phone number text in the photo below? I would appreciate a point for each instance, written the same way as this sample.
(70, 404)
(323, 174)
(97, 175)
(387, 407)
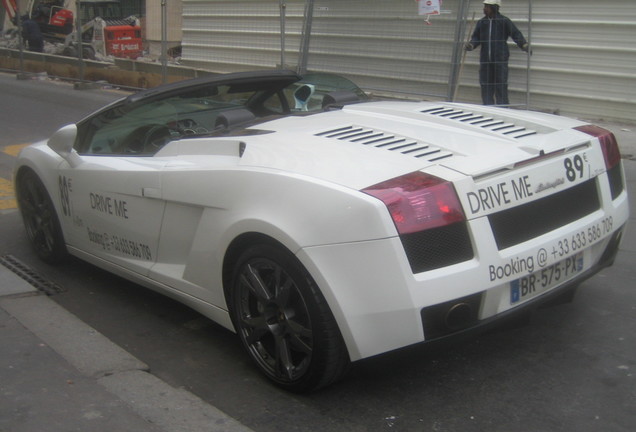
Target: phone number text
(581, 239)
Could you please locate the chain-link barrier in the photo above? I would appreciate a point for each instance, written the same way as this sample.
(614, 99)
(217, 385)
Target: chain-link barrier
(395, 47)
(404, 48)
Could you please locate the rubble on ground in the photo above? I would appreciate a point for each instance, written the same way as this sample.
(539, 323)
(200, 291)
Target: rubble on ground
(9, 39)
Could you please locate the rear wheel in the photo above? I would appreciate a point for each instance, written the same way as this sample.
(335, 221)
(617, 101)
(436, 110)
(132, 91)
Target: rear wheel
(284, 321)
(40, 219)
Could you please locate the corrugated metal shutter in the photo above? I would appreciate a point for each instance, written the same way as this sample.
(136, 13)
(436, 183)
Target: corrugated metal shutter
(585, 59)
(384, 45)
(381, 44)
(231, 36)
(584, 62)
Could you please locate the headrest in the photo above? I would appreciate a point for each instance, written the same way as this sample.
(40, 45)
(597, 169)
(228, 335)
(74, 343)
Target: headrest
(229, 119)
(339, 98)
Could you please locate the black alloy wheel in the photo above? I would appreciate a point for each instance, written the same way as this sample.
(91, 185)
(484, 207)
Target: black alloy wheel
(284, 321)
(40, 219)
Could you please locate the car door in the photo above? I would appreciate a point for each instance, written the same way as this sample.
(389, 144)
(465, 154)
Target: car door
(111, 196)
(110, 210)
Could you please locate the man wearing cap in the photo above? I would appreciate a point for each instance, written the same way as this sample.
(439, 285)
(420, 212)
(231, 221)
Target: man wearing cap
(492, 33)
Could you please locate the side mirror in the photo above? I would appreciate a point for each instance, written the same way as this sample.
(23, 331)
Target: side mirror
(62, 141)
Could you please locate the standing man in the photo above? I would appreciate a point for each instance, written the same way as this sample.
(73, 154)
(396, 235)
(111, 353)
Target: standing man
(492, 33)
(30, 33)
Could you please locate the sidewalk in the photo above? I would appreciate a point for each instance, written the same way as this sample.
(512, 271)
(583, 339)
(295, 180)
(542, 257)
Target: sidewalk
(59, 374)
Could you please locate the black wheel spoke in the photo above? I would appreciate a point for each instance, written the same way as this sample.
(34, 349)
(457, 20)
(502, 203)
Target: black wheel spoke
(42, 228)
(39, 236)
(284, 362)
(27, 207)
(258, 327)
(40, 220)
(33, 194)
(49, 239)
(256, 284)
(283, 291)
(298, 335)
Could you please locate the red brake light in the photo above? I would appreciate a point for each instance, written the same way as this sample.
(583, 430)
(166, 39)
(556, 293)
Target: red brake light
(418, 202)
(611, 152)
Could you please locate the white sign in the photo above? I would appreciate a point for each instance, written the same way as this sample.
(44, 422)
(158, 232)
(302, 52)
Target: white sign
(429, 7)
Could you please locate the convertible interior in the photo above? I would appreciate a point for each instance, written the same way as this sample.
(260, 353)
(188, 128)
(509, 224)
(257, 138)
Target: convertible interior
(141, 124)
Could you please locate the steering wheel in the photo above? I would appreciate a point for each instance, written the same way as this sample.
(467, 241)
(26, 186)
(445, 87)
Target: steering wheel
(155, 138)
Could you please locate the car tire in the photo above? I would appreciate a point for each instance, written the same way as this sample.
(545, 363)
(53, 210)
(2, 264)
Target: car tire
(40, 218)
(284, 321)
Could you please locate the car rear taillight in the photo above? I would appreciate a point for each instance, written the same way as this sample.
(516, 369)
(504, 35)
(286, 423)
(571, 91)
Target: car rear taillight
(611, 152)
(418, 202)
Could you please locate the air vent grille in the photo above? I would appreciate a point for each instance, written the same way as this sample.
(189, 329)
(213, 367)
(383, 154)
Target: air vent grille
(491, 124)
(378, 139)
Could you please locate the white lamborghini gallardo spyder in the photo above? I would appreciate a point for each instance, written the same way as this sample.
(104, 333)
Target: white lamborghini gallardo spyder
(323, 227)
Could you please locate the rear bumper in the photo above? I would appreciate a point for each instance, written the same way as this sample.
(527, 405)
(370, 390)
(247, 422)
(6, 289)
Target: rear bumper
(380, 305)
(461, 316)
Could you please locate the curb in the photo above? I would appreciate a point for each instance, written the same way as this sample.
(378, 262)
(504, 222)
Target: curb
(109, 366)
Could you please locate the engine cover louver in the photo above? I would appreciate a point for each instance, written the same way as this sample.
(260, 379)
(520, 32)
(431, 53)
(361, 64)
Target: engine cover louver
(491, 124)
(383, 140)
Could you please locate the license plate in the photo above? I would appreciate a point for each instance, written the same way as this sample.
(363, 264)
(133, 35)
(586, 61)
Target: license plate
(538, 282)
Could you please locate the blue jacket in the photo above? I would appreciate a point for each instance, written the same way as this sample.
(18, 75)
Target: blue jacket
(30, 30)
(492, 35)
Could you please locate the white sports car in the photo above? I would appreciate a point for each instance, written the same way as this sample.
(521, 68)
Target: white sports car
(321, 227)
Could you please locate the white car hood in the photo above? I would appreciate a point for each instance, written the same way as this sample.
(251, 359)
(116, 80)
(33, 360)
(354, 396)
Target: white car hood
(364, 144)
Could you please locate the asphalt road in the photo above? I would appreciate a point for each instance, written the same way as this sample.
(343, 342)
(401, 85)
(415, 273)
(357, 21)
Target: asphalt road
(570, 367)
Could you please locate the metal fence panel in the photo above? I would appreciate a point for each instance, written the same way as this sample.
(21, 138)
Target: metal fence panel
(230, 36)
(583, 62)
(385, 46)
(584, 58)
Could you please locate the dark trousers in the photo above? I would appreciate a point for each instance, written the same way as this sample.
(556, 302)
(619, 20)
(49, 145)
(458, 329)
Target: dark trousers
(36, 45)
(493, 79)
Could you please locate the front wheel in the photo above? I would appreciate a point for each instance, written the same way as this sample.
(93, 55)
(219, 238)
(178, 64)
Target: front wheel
(284, 322)
(40, 219)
